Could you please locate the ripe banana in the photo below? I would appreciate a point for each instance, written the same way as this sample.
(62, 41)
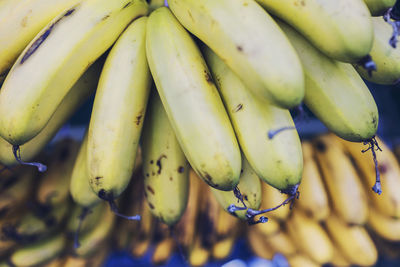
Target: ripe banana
(259, 245)
(272, 198)
(45, 71)
(384, 55)
(389, 201)
(225, 225)
(313, 198)
(118, 112)
(353, 241)
(223, 248)
(96, 260)
(310, 237)
(341, 29)
(280, 242)
(198, 254)
(300, 260)
(249, 187)
(267, 229)
(385, 226)
(277, 160)
(78, 94)
(191, 101)
(248, 40)
(163, 251)
(165, 168)
(23, 20)
(345, 189)
(335, 93)
(338, 260)
(378, 7)
(39, 252)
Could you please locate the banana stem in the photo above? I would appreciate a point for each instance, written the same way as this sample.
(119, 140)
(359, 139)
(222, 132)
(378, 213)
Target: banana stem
(114, 209)
(85, 211)
(392, 16)
(272, 133)
(374, 146)
(368, 64)
(17, 154)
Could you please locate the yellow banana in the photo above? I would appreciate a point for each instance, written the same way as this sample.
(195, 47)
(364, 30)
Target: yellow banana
(22, 22)
(191, 101)
(248, 40)
(163, 251)
(280, 242)
(259, 245)
(345, 189)
(389, 201)
(310, 237)
(383, 225)
(341, 29)
(40, 251)
(250, 189)
(277, 160)
(225, 225)
(46, 68)
(313, 198)
(300, 260)
(118, 112)
(271, 197)
(95, 260)
(384, 55)
(353, 241)
(53, 187)
(78, 94)
(267, 229)
(378, 8)
(198, 254)
(221, 249)
(165, 168)
(338, 260)
(56, 262)
(335, 93)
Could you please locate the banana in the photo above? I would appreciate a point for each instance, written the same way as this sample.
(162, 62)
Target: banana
(259, 245)
(89, 221)
(385, 226)
(96, 260)
(335, 93)
(198, 254)
(118, 112)
(271, 198)
(163, 251)
(341, 29)
(277, 160)
(338, 260)
(353, 241)
(378, 7)
(267, 229)
(223, 248)
(248, 40)
(384, 55)
(388, 202)
(345, 189)
(23, 20)
(78, 94)
(45, 71)
(165, 168)
(249, 187)
(53, 187)
(57, 262)
(191, 101)
(280, 242)
(40, 251)
(310, 237)
(313, 198)
(225, 225)
(300, 260)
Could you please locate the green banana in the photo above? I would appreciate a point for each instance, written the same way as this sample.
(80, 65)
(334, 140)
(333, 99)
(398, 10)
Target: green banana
(118, 113)
(384, 55)
(278, 161)
(248, 40)
(335, 93)
(378, 7)
(191, 101)
(46, 70)
(21, 21)
(165, 168)
(341, 29)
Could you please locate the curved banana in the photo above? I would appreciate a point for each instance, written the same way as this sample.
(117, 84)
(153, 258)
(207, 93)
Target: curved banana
(40, 251)
(163, 251)
(271, 197)
(250, 188)
(165, 168)
(385, 226)
(353, 241)
(198, 254)
(335, 93)
(310, 237)
(345, 189)
(191, 101)
(338, 260)
(300, 260)
(223, 248)
(280, 242)
(389, 201)
(23, 20)
(313, 200)
(278, 160)
(384, 55)
(341, 29)
(248, 40)
(78, 94)
(118, 112)
(45, 71)
(378, 7)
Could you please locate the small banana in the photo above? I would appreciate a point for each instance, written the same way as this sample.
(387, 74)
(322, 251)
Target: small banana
(276, 160)
(46, 68)
(383, 225)
(280, 242)
(335, 93)
(267, 229)
(338, 260)
(314, 199)
(248, 40)
(345, 189)
(378, 7)
(341, 29)
(258, 244)
(198, 254)
(118, 112)
(165, 168)
(223, 248)
(163, 251)
(192, 102)
(300, 260)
